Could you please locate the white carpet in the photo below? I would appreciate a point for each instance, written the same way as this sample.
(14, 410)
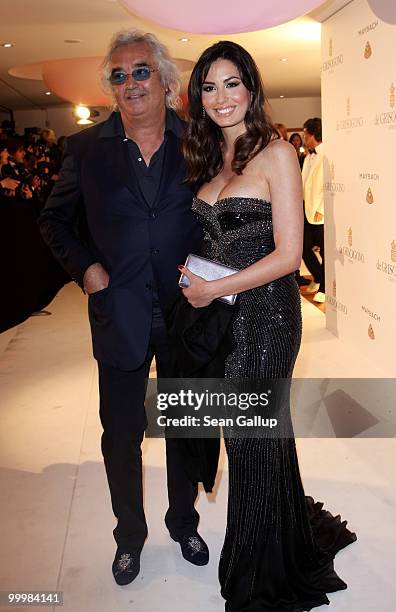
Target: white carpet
(55, 515)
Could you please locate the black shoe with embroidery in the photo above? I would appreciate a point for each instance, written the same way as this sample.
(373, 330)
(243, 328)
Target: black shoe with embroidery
(126, 566)
(193, 548)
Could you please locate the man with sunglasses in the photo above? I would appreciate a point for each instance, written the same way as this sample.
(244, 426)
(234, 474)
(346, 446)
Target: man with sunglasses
(121, 186)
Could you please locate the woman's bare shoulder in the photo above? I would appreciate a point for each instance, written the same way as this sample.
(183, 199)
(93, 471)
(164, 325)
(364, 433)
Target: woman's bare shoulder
(278, 147)
(277, 153)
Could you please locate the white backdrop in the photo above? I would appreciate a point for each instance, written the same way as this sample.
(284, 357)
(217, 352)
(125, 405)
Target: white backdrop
(359, 135)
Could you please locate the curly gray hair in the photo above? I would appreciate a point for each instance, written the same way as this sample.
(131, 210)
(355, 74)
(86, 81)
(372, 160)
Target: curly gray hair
(167, 69)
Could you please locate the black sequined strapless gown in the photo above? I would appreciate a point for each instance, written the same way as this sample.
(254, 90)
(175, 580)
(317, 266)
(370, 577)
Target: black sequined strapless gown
(279, 544)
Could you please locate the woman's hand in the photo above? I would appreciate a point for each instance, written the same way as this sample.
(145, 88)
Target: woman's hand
(200, 292)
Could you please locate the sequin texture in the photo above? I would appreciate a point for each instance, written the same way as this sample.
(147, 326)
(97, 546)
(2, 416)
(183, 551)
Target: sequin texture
(270, 559)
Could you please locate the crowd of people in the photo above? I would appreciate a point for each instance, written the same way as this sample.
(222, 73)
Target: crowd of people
(29, 166)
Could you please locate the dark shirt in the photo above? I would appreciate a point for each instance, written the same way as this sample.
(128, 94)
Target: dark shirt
(148, 178)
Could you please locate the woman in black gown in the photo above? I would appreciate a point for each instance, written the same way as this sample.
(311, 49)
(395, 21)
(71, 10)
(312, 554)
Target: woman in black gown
(279, 544)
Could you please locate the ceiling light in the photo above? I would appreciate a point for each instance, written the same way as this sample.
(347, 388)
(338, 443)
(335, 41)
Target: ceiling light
(184, 39)
(7, 45)
(47, 93)
(283, 59)
(82, 112)
(281, 96)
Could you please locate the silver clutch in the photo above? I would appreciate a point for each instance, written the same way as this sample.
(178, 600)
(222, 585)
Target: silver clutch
(208, 270)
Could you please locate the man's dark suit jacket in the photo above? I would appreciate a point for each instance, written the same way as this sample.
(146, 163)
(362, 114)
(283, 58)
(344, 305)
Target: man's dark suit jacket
(137, 244)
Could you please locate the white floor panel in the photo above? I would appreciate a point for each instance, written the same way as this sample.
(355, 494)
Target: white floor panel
(56, 517)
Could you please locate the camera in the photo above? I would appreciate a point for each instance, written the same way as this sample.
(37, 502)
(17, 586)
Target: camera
(25, 182)
(41, 150)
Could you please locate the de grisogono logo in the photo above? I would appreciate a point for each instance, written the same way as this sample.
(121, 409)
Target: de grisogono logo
(388, 117)
(389, 267)
(332, 186)
(332, 301)
(348, 250)
(333, 62)
(350, 122)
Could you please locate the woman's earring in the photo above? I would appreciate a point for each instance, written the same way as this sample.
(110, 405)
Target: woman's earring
(203, 113)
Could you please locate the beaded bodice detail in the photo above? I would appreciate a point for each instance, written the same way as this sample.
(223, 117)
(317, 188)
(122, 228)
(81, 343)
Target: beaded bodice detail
(237, 231)
(267, 329)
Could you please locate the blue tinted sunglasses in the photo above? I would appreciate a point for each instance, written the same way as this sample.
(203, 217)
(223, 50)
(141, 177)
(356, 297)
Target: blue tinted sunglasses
(142, 73)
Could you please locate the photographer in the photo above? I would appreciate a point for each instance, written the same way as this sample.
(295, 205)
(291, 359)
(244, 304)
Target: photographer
(16, 168)
(51, 150)
(37, 180)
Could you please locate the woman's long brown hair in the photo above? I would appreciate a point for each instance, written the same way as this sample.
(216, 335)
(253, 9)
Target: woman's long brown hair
(203, 138)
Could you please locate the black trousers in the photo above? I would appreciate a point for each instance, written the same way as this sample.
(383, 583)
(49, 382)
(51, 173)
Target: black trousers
(314, 236)
(123, 418)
